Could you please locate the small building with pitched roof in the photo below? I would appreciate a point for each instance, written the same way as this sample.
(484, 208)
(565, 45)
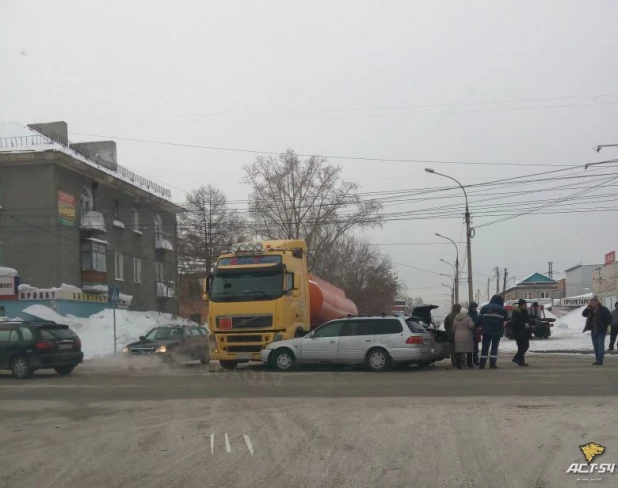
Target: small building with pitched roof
(534, 286)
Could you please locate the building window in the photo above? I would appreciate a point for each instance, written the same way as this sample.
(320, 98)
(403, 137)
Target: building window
(119, 266)
(135, 219)
(137, 270)
(86, 201)
(159, 272)
(93, 257)
(116, 210)
(158, 227)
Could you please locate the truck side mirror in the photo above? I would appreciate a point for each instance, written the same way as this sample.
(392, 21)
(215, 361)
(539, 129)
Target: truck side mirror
(296, 281)
(206, 288)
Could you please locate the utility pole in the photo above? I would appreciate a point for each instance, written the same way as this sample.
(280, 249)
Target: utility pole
(497, 280)
(550, 270)
(506, 273)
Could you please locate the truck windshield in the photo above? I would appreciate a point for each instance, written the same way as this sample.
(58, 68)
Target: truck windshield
(246, 286)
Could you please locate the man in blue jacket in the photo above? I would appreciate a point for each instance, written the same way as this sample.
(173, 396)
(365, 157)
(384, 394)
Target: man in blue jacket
(491, 320)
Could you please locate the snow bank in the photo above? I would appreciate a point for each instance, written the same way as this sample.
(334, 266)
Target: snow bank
(566, 335)
(97, 331)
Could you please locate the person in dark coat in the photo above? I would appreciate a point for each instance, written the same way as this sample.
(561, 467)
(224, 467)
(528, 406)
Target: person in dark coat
(448, 327)
(614, 331)
(491, 320)
(474, 315)
(520, 323)
(598, 319)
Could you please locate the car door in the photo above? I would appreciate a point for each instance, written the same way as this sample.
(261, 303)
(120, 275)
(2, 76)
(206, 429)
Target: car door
(321, 345)
(6, 345)
(355, 340)
(389, 333)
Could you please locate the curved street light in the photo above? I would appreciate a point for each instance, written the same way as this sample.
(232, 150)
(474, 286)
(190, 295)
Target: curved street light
(468, 232)
(456, 265)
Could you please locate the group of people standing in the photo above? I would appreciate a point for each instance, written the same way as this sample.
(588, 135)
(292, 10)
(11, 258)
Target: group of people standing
(469, 329)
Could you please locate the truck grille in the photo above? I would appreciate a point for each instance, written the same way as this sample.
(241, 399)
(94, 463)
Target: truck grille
(244, 348)
(244, 338)
(245, 321)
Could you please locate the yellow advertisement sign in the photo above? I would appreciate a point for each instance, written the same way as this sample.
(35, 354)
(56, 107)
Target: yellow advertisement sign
(66, 209)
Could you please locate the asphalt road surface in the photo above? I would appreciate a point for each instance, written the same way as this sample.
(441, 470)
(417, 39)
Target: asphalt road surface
(119, 424)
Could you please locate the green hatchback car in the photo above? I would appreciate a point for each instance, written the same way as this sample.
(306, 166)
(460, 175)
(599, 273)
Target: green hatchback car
(31, 345)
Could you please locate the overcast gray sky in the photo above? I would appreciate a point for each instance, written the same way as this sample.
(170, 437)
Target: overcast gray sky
(189, 71)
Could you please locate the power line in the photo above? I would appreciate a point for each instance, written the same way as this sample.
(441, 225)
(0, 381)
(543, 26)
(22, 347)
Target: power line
(273, 153)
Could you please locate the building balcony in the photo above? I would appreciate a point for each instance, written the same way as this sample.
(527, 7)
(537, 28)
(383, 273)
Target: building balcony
(165, 289)
(93, 222)
(162, 243)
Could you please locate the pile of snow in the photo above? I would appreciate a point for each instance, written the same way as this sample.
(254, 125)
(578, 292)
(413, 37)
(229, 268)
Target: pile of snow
(566, 335)
(4, 271)
(97, 331)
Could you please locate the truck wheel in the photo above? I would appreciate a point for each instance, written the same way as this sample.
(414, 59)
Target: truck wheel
(229, 365)
(20, 367)
(378, 360)
(284, 360)
(205, 359)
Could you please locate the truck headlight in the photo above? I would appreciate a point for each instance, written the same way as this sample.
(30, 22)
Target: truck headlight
(161, 349)
(125, 350)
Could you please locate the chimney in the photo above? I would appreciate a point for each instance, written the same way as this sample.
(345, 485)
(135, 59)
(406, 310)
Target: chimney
(101, 152)
(57, 131)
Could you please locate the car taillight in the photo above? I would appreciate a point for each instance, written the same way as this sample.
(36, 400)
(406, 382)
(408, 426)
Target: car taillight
(415, 340)
(225, 323)
(44, 346)
(78, 343)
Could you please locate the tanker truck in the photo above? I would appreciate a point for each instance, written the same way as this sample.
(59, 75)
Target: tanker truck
(259, 291)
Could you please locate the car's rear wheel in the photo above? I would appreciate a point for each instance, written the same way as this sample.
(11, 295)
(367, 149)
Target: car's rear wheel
(284, 360)
(20, 367)
(229, 365)
(64, 370)
(378, 360)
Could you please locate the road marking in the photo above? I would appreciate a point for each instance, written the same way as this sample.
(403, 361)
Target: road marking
(227, 443)
(212, 443)
(248, 442)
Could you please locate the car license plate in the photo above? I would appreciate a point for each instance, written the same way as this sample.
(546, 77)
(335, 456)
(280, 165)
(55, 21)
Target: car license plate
(244, 355)
(65, 346)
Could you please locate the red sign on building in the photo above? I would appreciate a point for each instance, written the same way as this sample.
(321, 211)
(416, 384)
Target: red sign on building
(610, 258)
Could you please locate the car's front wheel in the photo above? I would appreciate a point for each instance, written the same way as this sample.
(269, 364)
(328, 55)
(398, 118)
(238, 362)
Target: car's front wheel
(20, 367)
(283, 359)
(378, 360)
(64, 370)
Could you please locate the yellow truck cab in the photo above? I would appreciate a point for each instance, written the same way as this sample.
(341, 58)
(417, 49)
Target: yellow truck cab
(255, 291)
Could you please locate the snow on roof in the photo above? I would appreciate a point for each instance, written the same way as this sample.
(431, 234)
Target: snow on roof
(19, 138)
(4, 271)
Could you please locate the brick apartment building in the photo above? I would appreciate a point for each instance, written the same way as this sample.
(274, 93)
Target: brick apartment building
(69, 213)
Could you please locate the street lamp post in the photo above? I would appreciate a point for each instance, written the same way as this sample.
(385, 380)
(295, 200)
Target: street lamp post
(468, 233)
(456, 265)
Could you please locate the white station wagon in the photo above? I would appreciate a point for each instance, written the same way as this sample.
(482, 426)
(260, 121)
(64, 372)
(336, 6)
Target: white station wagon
(377, 342)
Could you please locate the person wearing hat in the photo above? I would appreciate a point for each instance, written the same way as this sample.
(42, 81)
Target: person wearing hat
(598, 320)
(520, 323)
(491, 320)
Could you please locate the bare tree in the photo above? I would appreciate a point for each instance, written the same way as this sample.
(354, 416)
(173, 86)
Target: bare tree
(366, 274)
(207, 227)
(306, 199)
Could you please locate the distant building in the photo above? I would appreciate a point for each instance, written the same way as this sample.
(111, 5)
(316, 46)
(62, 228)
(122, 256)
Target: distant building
(69, 213)
(534, 286)
(579, 279)
(605, 281)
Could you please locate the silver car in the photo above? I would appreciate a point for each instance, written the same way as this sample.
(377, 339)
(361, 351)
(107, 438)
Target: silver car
(377, 342)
